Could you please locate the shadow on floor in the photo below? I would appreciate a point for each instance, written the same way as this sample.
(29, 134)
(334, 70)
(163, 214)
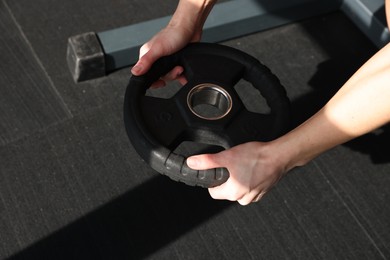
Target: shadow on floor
(159, 211)
(330, 75)
(375, 144)
(132, 226)
(333, 73)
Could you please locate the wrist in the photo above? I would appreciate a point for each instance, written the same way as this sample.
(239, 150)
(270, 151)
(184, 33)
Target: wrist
(191, 15)
(290, 151)
(308, 140)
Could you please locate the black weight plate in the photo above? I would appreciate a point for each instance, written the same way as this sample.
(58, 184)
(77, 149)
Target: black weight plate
(157, 126)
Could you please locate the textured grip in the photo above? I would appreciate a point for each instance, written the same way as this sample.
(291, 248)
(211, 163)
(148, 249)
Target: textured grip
(176, 163)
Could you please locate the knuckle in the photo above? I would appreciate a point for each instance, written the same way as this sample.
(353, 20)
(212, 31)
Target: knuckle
(235, 195)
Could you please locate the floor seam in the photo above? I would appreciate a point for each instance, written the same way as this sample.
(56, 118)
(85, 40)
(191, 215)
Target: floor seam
(40, 64)
(57, 123)
(349, 209)
(38, 131)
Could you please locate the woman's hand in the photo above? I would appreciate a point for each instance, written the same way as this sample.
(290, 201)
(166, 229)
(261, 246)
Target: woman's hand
(254, 169)
(185, 26)
(168, 41)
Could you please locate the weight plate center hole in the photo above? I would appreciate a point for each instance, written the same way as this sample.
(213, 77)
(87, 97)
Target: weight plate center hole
(209, 101)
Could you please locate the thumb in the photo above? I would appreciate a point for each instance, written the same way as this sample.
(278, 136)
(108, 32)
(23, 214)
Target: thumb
(146, 61)
(204, 162)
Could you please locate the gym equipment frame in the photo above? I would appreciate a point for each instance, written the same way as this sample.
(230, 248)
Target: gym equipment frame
(91, 55)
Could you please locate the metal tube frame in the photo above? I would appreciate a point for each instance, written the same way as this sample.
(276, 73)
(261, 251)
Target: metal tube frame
(91, 55)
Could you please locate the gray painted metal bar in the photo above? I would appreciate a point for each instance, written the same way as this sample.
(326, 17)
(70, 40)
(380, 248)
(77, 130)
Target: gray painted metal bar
(370, 17)
(91, 55)
(226, 21)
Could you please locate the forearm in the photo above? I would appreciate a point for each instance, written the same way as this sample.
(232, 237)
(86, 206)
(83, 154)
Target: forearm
(192, 14)
(360, 106)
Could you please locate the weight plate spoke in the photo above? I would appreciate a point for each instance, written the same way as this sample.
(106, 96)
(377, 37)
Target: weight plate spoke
(248, 126)
(209, 68)
(163, 119)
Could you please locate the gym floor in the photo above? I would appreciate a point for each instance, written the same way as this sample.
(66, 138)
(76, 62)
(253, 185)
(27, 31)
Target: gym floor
(72, 186)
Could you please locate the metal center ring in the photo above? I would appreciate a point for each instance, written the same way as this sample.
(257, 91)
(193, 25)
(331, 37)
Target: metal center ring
(209, 95)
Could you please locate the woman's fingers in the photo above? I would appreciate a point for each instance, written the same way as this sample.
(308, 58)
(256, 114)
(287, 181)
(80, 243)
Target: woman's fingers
(174, 74)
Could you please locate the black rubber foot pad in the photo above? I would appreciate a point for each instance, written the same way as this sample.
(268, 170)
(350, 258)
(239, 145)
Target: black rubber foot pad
(85, 57)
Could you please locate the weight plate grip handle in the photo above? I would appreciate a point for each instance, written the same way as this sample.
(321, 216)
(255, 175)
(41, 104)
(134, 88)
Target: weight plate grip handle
(176, 163)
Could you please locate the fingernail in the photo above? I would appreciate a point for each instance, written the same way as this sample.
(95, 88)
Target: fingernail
(136, 69)
(192, 162)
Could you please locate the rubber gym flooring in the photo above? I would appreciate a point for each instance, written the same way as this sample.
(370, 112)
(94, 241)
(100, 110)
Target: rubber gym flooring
(72, 186)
